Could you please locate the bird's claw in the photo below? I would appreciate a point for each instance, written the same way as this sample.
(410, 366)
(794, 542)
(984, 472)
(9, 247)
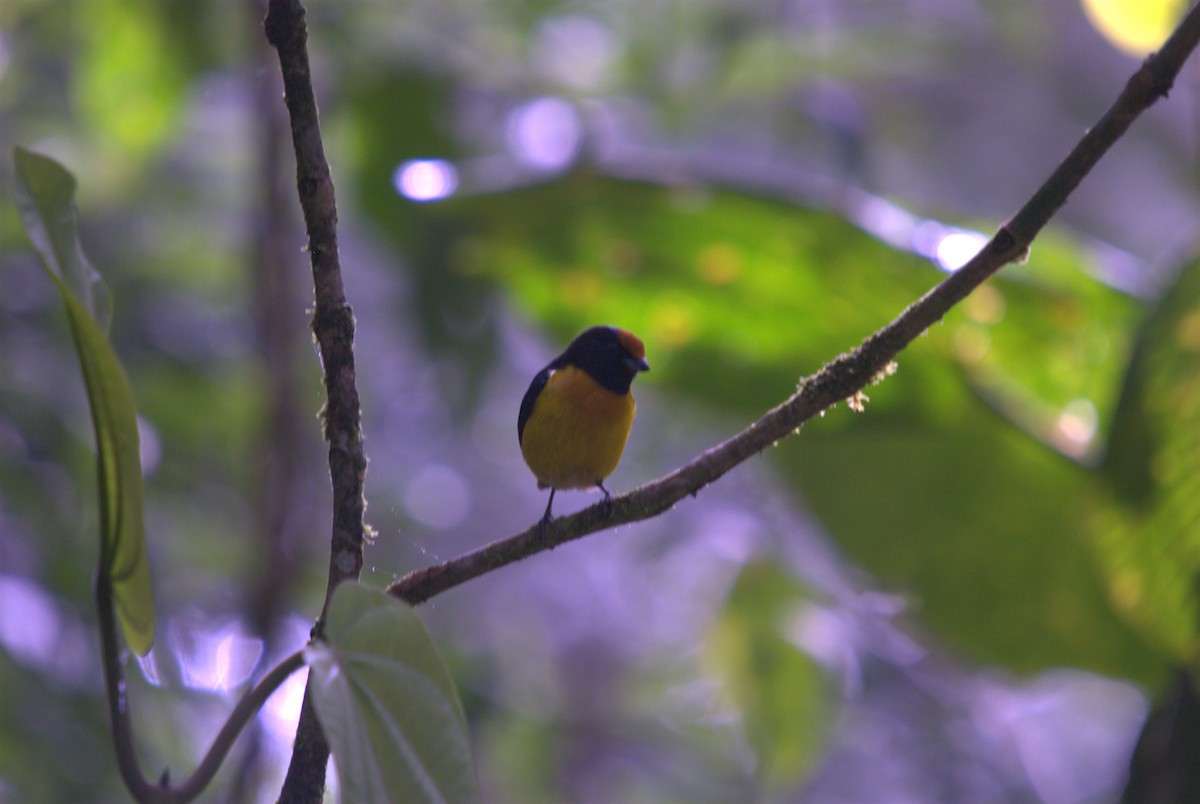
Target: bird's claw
(606, 505)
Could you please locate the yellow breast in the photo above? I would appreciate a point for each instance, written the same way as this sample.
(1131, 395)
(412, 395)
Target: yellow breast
(577, 431)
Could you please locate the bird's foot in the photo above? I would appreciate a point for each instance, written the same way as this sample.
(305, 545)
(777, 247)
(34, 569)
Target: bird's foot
(606, 505)
(545, 521)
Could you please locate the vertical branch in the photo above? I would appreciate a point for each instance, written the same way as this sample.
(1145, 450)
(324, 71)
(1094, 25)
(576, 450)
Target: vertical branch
(284, 503)
(333, 327)
(333, 320)
(278, 292)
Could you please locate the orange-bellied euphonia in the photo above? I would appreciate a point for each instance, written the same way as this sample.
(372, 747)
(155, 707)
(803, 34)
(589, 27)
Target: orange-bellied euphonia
(576, 415)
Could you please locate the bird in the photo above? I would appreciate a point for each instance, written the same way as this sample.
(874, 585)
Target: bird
(576, 416)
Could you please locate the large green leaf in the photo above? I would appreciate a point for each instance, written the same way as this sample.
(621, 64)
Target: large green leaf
(721, 283)
(982, 526)
(1146, 518)
(930, 490)
(45, 193)
(1079, 329)
(388, 705)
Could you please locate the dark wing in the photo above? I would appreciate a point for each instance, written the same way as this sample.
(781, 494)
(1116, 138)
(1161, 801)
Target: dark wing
(535, 390)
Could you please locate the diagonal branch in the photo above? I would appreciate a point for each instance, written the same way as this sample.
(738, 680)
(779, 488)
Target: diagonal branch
(849, 373)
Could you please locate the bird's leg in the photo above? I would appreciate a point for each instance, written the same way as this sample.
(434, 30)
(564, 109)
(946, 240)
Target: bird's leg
(606, 503)
(546, 516)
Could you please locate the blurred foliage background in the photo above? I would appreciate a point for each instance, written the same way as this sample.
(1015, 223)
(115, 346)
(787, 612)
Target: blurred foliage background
(973, 590)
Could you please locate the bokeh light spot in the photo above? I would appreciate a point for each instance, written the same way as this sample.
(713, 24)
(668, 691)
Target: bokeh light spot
(438, 497)
(425, 179)
(1188, 332)
(985, 305)
(971, 343)
(1125, 590)
(1076, 425)
(29, 621)
(214, 656)
(1134, 26)
(545, 133)
(672, 325)
(580, 289)
(888, 222)
(149, 446)
(719, 264)
(956, 248)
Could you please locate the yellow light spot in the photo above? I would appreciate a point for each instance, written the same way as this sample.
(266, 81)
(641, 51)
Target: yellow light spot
(1126, 591)
(1183, 394)
(719, 264)
(985, 305)
(580, 289)
(672, 325)
(1188, 332)
(971, 344)
(1134, 26)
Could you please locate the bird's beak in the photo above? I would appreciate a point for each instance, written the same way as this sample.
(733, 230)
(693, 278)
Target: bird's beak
(637, 364)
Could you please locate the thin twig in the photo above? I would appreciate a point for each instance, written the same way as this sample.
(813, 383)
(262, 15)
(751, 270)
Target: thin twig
(118, 704)
(139, 786)
(333, 326)
(848, 373)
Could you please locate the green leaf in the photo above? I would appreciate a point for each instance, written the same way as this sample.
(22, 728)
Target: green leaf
(45, 194)
(1080, 329)
(981, 525)
(46, 202)
(388, 705)
(1146, 518)
(718, 283)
